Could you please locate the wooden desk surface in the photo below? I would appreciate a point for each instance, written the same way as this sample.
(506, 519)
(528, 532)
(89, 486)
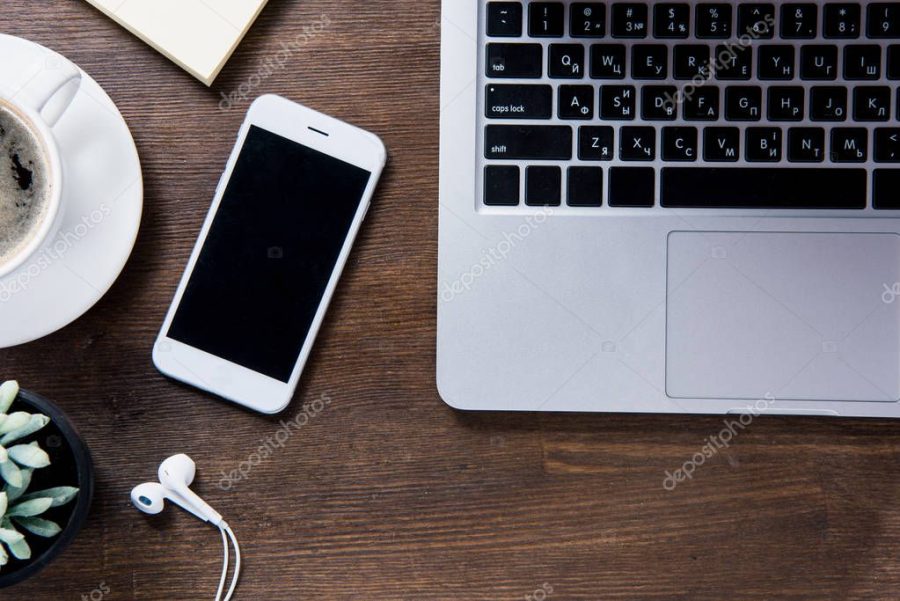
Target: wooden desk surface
(387, 493)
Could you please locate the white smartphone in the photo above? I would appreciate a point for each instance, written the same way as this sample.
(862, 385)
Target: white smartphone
(286, 212)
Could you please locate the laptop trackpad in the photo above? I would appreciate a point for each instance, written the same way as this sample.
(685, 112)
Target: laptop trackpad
(796, 316)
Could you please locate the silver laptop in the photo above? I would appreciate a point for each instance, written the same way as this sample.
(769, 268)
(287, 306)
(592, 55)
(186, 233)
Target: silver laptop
(670, 207)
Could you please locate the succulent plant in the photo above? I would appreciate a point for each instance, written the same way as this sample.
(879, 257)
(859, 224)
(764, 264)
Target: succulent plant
(18, 507)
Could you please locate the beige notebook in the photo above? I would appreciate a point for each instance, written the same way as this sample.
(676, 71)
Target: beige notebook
(198, 35)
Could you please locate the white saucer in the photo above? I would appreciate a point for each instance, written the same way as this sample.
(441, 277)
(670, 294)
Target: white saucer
(102, 202)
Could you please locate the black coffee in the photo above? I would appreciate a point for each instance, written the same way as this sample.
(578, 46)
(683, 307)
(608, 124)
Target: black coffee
(24, 184)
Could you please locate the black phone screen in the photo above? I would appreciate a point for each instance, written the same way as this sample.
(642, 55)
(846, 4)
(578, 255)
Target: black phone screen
(270, 252)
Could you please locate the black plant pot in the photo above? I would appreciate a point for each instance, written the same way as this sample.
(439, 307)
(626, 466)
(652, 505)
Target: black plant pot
(70, 465)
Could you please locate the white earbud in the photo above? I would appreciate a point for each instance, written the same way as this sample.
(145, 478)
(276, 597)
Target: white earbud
(175, 477)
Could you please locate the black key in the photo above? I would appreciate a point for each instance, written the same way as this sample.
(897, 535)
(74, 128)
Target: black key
(608, 61)
(585, 187)
(549, 142)
(849, 145)
(576, 102)
(842, 20)
(862, 62)
(617, 102)
(886, 189)
(566, 61)
(658, 103)
(588, 19)
(545, 19)
(649, 61)
(679, 143)
(806, 144)
(828, 103)
(743, 103)
(799, 21)
(776, 62)
(629, 20)
(883, 20)
(893, 62)
(543, 186)
(637, 143)
(595, 143)
(515, 60)
(734, 62)
(632, 187)
(501, 185)
(714, 21)
(887, 145)
(691, 60)
(763, 144)
(786, 103)
(871, 103)
(518, 101)
(721, 144)
(819, 62)
(756, 20)
(702, 104)
(671, 20)
(504, 19)
(763, 188)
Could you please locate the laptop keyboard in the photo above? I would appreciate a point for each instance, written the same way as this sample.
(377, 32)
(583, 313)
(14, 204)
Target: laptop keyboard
(701, 105)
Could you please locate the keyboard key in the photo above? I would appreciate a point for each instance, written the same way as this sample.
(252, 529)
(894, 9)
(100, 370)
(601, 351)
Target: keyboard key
(504, 19)
(566, 61)
(776, 62)
(735, 62)
(842, 20)
(576, 102)
(671, 20)
(629, 20)
(871, 103)
(887, 145)
(828, 103)
(691, 60)
(501, 185)
(849, 145)
(515, 60)
(525, 142)
(588, 19)
(632, 187)
(617, 103)
(595, 143)
(893, 62)
(886, 183)
(743, 103)
(637, 143)
(608, 61)
(679, 143)
(862, 62)
(543, 186)
(752, 188)
(658, 103)
(649, 61)
(757, 20)
(721, 144)
(702, 104)
(545, 19)
(786, 103)
(763, 144)
(518, 102)
(799, 21)
(806, 144)
(585, 187)
(883, 20)
(714, 21)
(819, 62)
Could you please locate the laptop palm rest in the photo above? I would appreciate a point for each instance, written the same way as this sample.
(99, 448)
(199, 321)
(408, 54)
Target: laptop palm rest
(801, 316)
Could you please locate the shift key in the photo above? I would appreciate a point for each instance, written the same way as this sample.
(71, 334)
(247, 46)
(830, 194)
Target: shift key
(519, 102)
(539, 142)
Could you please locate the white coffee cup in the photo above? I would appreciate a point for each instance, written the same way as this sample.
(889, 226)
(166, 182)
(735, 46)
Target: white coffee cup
(40, 102)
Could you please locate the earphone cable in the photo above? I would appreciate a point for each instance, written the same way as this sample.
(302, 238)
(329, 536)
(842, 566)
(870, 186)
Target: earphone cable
(237, 561)
(224, 565)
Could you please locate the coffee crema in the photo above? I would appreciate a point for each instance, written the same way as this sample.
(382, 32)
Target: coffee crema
(25, 184)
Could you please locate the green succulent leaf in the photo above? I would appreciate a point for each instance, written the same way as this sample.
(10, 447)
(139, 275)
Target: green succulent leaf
(20, 550)
(30, 508)
(10, 472)
(35, 423)
(39, 526)
(8, 392)
(29, 455)
(14, 492)
(4, 502)
(11, 537)
(60, 495)
(4, 456)
(14, 421)
(4, 558)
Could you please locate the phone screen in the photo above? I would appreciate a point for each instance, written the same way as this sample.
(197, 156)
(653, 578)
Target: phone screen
(270, 252)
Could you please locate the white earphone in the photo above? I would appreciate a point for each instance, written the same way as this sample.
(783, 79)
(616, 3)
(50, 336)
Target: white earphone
(176, 474)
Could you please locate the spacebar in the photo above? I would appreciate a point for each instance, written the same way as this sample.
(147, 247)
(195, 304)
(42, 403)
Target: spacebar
(763, 188)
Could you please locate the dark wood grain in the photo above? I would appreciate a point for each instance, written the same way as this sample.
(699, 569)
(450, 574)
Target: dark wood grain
(388, 493)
